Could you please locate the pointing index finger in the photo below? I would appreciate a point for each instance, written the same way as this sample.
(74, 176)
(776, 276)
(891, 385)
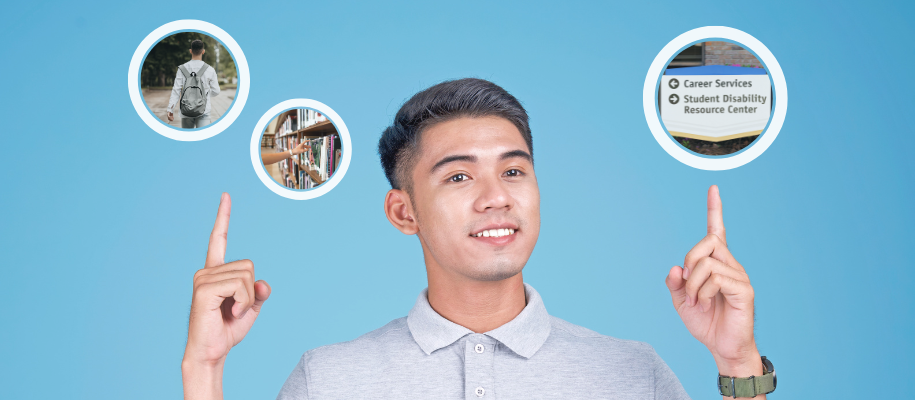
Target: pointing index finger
(216, 250)
(715, 217)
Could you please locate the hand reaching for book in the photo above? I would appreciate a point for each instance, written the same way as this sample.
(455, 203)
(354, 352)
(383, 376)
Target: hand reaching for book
(301, 148)
(225, 303)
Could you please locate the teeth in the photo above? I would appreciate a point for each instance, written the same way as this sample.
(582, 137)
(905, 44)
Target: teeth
(496, 232)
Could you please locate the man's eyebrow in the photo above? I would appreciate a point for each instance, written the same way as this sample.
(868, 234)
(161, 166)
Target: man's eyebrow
(451, 159)
(516, 153)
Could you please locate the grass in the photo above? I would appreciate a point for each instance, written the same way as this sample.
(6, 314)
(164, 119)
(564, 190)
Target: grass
(716, 148)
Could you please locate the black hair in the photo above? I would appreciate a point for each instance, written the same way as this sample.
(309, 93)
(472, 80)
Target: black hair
(468, 97)
(197, 47)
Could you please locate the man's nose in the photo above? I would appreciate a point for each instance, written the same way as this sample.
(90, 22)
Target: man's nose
(494, 194)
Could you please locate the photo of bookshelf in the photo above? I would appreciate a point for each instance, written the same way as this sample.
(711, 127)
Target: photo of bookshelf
(301, 149)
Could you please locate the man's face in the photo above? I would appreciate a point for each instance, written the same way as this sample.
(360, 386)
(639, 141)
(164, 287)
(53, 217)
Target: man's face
(476, 198)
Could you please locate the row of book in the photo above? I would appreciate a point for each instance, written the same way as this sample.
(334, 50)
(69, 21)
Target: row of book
(322, 161)
(301, 119)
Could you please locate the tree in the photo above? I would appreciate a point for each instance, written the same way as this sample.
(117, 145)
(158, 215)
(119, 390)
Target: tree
(162, 61)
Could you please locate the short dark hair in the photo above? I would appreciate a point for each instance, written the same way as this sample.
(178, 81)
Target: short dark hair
(468, 97)
(197, 47)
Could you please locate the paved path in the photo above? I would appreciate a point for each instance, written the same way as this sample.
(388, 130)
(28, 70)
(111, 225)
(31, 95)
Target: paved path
(157, 101)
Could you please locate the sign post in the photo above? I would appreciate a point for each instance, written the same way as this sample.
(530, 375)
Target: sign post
(715, 103)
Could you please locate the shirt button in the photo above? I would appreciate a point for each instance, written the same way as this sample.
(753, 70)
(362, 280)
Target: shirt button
(479, 348)
(480, 392)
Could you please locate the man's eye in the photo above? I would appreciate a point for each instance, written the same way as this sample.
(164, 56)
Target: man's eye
(458, 178)
(513, 172)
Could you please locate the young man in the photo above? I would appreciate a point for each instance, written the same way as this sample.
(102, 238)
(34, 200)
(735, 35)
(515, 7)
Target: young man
(459, 157)
(209, 84)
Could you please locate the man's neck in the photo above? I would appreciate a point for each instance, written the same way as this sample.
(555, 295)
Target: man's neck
(480, 306)
(197, 58)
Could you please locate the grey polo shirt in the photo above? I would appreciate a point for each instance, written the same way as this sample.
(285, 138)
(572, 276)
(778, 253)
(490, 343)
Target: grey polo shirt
(534, 356)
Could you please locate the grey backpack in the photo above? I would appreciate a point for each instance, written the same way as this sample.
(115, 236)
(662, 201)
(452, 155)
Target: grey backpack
(193, 99)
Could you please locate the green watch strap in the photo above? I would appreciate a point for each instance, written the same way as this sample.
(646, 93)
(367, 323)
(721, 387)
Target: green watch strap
(748, 387)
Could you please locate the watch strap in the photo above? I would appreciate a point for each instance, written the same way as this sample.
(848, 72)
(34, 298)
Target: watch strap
(748, 387)
(745, 387)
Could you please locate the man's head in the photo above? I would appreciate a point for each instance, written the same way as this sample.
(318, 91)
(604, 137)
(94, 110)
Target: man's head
(459, 158)
(197, 48)
(448, 100)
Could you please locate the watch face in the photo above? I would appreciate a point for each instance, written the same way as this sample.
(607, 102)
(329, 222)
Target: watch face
(768, 365)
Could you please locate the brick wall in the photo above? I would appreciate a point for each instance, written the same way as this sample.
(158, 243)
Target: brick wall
(726, 53)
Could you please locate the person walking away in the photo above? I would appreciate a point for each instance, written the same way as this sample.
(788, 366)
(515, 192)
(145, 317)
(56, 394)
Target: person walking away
(207, 81)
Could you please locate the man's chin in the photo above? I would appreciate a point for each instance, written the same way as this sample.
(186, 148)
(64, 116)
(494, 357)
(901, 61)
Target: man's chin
(495, 272)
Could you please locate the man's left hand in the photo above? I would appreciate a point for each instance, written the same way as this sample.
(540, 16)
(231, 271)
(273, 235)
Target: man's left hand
(713, 296)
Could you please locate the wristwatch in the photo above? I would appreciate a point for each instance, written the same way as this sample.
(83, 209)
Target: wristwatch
(748, 387)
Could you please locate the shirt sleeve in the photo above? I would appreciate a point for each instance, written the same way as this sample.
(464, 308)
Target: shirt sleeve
(176, 90)
(666, 384)
(214, 82)
(296, 386)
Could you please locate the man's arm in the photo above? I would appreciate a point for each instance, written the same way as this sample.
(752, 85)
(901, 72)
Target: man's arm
(214, 82)
(713, 295)
(176, 91)
(225, 303)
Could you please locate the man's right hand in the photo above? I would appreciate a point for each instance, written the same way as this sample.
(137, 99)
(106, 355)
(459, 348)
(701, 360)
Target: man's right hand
(225, 303)
(171, 116)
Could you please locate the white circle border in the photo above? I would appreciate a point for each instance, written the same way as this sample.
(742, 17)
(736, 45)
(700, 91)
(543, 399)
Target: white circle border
(133, 85)
(258, 164)
(778, 114)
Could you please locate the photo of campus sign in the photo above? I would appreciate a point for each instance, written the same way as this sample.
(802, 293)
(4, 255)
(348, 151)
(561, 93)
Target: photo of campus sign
(710, 106)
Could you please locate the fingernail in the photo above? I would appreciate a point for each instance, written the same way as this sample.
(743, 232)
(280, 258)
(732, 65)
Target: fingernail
(685, 273)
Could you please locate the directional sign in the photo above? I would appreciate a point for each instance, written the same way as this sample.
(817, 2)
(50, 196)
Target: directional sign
(715, 107)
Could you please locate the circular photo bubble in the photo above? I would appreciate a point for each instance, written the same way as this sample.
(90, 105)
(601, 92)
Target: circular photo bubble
(715, 98)
(300, 149)
(188, 80)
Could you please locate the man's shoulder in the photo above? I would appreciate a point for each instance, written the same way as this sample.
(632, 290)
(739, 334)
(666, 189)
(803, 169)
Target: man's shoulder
(564, 334)
(394, 336)
(194, 65)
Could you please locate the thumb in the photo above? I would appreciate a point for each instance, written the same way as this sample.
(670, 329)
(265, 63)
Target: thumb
(677, 286)
(261, 293)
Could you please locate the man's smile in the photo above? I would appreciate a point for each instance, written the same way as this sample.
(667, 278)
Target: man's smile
(500, 234)
(494, 232)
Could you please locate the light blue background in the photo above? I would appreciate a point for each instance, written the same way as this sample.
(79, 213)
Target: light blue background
(104, 221)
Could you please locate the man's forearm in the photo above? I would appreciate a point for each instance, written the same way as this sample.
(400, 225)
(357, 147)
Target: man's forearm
(176, 91)
(214, 88)
(202, 382)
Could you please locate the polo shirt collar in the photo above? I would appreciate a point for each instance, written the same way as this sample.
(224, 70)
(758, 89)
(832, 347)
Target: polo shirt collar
(524, 334)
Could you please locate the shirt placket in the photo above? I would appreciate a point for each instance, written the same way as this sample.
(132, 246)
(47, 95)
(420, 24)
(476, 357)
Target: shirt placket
(479, 382)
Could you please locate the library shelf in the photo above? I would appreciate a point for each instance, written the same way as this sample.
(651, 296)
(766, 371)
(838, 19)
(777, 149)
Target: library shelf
(311, 168)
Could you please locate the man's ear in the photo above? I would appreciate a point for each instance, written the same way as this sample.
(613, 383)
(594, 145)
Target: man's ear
(399, 210)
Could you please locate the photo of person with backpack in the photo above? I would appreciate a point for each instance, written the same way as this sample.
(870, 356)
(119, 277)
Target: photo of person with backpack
(189, 94)
(195, 83)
